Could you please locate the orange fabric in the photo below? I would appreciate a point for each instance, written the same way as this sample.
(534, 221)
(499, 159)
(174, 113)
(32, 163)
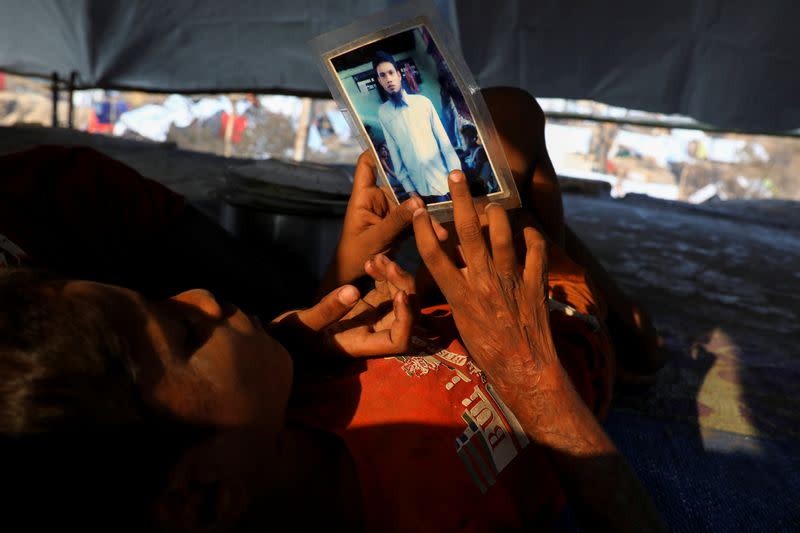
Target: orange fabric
(95, 126)
(239, 125)
(587, 355)
(434, 449)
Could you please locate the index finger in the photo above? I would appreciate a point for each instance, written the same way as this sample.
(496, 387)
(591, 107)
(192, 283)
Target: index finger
(468, 225)
(444, 272)
(364, 176)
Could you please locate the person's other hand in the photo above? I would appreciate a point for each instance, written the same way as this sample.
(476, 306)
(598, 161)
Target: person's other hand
(343, 324)
(499, 306)
(381, 322)
(372, 225)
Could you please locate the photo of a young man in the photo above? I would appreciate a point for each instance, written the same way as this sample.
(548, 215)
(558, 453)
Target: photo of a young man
(421, 152)
(415, 115)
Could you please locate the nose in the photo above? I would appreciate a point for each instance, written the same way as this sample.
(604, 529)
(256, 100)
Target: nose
(201, 299)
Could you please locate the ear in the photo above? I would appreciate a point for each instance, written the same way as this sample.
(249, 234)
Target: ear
(202, 493)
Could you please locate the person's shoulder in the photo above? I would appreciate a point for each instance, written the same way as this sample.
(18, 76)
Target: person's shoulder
(418, 98)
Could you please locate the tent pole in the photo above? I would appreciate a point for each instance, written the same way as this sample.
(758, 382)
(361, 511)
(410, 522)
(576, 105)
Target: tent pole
(301, 137)
(71, 90)
(54, 93)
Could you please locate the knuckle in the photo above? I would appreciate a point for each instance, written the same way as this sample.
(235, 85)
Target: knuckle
(502, 239)
(533, 237)
(430, 255)
(401, 215)
(508, 282)
(469, 231)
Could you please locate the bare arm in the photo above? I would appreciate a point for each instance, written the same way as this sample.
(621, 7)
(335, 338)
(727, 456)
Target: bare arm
(519, 358)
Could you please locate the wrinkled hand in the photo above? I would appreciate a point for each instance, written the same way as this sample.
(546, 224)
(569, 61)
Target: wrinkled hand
(372, 225)
(499, 306)
(379, 324)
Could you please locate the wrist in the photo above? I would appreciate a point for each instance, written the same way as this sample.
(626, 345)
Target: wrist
(552, 413)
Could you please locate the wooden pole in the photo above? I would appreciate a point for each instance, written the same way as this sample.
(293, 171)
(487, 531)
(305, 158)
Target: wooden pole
(54, 94)
(301, 138)
(71, 91)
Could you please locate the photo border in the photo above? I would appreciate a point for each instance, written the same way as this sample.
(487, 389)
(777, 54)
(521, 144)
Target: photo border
(392, 22)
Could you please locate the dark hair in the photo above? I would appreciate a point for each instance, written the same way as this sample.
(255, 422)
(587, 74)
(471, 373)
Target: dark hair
(62, 362)
(469, 129)
(77, 443)
(383, 57)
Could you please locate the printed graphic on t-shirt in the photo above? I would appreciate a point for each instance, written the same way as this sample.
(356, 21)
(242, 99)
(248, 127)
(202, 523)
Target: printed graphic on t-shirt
(11, 255)
(493, 436)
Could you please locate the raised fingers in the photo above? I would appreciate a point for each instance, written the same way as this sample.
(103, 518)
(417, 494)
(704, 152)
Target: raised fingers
(503, 255)
(381, 268)
(330, 309)
(444, 272)
(391, 335)
(468, 225)
(535, 274)
(399, 218)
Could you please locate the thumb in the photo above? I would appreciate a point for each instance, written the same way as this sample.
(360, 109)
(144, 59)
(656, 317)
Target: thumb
(398, 219)
(330, 309)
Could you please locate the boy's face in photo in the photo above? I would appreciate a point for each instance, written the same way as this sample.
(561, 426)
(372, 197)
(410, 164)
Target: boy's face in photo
(388, 77)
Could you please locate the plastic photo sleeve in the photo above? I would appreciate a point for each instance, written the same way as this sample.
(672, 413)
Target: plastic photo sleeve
(402, 85)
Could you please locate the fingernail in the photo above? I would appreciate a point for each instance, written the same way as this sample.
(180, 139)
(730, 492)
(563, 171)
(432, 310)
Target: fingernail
(419, 212)
(456, 176)
(383, 259)
(348, 295)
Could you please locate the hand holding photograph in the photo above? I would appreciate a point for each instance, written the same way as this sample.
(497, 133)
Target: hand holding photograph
(417, 108)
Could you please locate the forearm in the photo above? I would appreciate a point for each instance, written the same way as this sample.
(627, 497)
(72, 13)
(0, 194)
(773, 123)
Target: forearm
(600, 486)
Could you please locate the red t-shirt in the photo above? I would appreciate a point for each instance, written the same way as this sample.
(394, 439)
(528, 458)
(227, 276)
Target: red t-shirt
(434, 447)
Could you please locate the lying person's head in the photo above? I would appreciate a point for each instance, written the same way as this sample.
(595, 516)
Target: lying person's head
(98, 367)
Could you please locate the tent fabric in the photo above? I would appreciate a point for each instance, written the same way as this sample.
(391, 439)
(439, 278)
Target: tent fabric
(730, 63)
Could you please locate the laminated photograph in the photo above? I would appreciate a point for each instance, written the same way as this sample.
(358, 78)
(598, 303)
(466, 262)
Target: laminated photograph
(404, 87)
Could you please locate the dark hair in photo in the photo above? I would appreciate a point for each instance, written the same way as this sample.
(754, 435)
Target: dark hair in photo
(383, 57)
(469, 129)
